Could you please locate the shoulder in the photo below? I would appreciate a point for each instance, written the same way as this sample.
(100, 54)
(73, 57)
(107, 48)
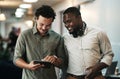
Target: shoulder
(53, 33)
(27, 31)
(96, 30)
(67, 36)
(55, 36)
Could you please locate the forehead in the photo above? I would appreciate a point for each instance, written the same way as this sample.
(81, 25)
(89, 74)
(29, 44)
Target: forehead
(68, 16)
(44, 19)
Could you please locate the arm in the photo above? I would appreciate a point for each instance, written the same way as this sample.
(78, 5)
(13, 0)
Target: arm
(22, 64)
(106, 56)
(20, 55)
(95, 70)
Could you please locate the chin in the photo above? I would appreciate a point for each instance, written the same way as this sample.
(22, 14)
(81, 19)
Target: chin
(70, 32)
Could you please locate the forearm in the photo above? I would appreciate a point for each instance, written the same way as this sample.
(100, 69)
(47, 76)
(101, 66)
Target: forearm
(95, 70)
(21, 63)
(99, 66)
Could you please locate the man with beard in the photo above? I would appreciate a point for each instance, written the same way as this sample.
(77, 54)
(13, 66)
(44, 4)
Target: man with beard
(89, 48)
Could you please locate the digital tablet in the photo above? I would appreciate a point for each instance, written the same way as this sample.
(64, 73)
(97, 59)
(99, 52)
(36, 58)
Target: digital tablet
(46, 64)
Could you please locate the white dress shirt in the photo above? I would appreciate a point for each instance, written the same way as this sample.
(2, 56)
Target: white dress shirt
(84, 51)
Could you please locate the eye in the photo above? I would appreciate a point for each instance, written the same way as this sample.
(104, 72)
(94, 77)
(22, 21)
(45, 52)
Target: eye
(48, 26)
(41, 24)
(67, 22)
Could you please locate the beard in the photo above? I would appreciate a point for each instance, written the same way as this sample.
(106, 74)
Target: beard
(74, 33)
(77, 32)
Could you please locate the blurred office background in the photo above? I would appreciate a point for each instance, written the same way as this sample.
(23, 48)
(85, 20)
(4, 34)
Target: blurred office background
(96, 13)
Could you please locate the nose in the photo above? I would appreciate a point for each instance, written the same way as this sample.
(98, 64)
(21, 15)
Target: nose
(44, 27)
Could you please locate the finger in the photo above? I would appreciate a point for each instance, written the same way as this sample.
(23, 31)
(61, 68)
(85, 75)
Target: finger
(38, 66)
(46, 58)
(53, 59)
(88, 74)
(49, 58)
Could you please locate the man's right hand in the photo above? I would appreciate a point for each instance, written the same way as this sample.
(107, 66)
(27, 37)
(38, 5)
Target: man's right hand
(33, 66)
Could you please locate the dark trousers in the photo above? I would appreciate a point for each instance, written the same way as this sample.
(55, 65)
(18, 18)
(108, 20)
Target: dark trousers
(71, 76)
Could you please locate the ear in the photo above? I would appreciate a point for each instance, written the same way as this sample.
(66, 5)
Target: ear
(80, 18)
(35, 18)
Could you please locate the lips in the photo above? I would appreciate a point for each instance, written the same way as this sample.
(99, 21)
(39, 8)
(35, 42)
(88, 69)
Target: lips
(70, 29)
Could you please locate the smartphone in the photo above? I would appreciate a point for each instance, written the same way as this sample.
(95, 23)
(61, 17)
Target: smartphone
(46, 64)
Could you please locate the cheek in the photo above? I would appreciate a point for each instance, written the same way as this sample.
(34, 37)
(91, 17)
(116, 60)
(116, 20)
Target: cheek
(39, 27)
(72, 24)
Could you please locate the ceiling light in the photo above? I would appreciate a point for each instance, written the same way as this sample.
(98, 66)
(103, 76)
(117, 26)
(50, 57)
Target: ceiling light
(19, 14)
(30, 1)
(2, 17)
(25, 6)
(20, 10)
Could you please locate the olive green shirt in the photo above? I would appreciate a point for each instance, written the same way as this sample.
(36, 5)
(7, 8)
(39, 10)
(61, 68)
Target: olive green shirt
(31, 46)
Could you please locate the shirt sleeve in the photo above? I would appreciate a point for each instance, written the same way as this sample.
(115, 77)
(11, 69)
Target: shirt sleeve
(105, 48)
(19, 48)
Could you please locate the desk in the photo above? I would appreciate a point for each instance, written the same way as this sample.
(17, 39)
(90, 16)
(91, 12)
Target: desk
(113, 77)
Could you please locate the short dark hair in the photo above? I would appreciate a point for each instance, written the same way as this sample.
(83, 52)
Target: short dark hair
(45, 11)
(73, 10)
